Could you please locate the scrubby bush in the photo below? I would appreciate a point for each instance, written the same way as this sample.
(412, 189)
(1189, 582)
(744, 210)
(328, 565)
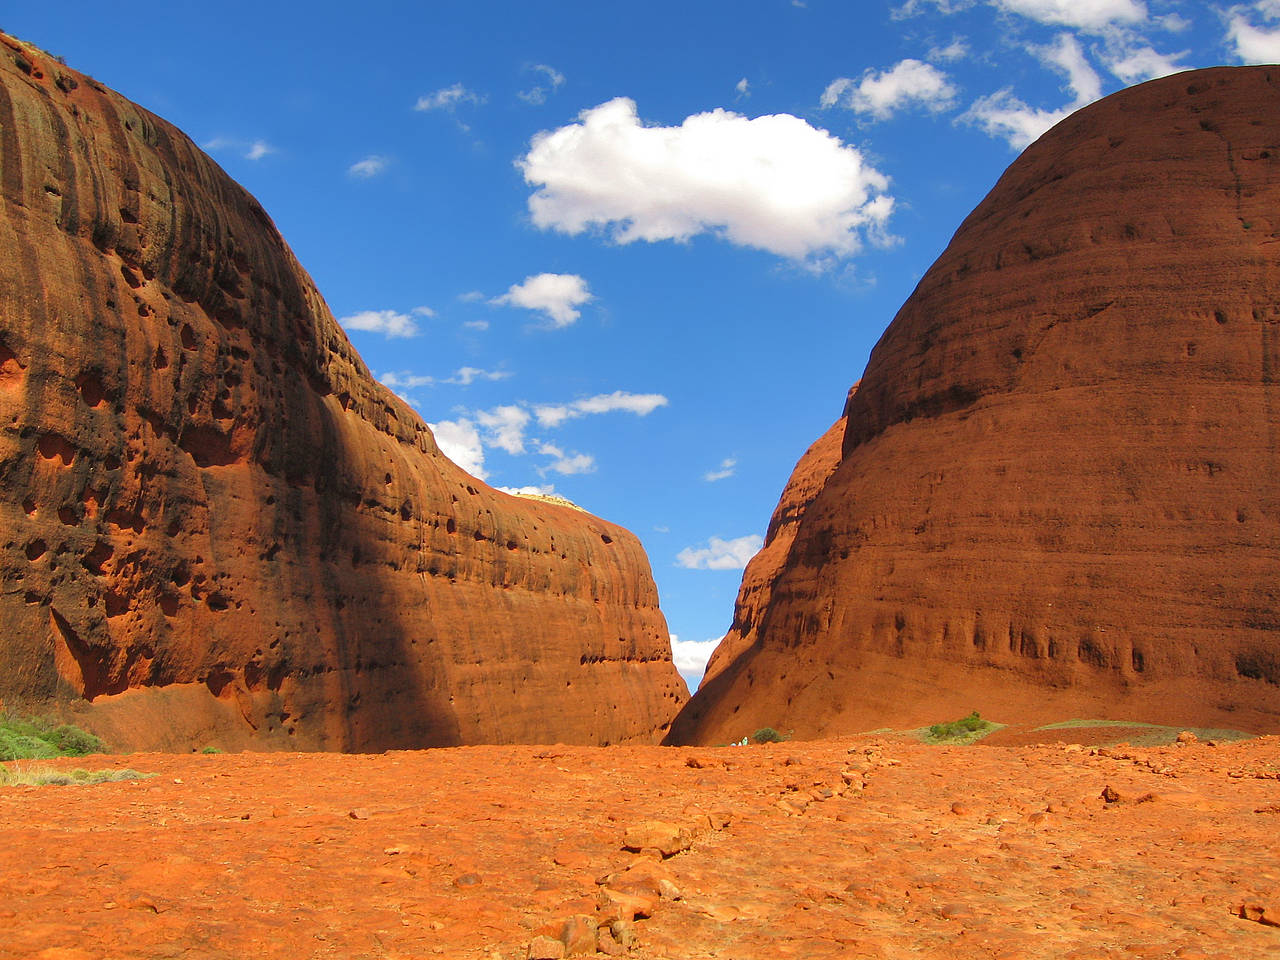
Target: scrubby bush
(38, 738)
(963, 729)
(767, 735)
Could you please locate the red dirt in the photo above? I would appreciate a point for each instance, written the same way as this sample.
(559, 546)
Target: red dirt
(850, 848)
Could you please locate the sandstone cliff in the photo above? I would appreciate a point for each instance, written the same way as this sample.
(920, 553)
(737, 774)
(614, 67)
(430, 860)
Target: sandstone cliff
(1059, 493)
(217, 527)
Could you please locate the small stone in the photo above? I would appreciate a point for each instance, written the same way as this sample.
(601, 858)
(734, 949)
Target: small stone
(468, 880)
(359, 813)
(959, 809)
(1109, 795)
(667, 838)
(579, 935)
(624, 933)
(1186, 736)
(607, 945)
(694, 762)
(545, 948)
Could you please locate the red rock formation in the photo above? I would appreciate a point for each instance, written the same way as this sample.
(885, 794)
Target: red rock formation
(217, 526)
(807, 479)
(1060, 485)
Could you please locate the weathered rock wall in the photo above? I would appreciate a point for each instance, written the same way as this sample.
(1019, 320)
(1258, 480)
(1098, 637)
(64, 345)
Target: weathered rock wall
(217, 527)
(1059, 493)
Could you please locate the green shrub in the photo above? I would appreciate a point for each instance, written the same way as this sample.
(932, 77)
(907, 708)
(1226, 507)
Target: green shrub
(767, 735)
(211, 749)
(38, 738)
(963, 729)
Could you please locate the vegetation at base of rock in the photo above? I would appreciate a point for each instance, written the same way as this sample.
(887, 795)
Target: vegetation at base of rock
(1142, 734)
(211, 750)
(972, 727)
(767, 735)
(39, 738)
(47, 776)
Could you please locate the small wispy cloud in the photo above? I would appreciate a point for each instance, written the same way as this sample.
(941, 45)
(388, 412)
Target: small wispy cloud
(249, 149)
(727, 467)
(549, 80)
(720, 554)
(389, 323)
(449, 98)
(640, 404)
(743, 87)
(370, 166)
(558, 295)
(881, 94)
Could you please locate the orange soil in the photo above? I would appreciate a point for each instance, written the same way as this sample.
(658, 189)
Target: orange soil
(858, 847)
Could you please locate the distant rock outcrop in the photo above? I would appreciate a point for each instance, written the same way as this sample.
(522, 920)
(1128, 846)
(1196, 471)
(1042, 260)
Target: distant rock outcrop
(217, 527)
(1059, 493)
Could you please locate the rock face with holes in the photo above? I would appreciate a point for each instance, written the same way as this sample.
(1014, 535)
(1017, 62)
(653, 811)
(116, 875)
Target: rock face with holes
(1059, 488)
(216, 527)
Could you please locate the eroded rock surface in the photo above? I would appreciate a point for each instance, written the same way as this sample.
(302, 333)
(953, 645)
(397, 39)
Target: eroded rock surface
(217, 527)
(1059, 493)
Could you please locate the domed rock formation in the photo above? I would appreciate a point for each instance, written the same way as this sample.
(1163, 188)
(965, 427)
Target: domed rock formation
(217, 527)
(1059, 490)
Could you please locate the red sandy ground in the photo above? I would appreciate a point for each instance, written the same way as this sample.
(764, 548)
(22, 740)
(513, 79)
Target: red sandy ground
(859, 848)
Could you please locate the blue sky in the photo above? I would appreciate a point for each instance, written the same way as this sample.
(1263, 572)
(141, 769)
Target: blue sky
(634, 254)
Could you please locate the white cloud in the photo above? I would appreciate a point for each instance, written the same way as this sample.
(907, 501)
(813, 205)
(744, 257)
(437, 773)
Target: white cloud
(448, 98)
(1002, 114)
(1089, 15)
(370, 166)
(743, 88)
(552, 80)
(504, 427)
(465, 376)
(387, 322)
(641, 404)
(544, 490)
(720, 554)
(460, 442)
(252, 150)
(1255, 44)
(774, 183)
(913, 7)
(404, 380)
(955, 50)
(558, 295)
(691, 656)
(880, 94)
(476, 324)
(564, 463)
(1145, 63)
(727, 467)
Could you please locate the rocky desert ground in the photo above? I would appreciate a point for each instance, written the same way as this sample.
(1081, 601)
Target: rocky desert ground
(861, 847)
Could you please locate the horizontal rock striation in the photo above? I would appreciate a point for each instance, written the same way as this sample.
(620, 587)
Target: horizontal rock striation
(217, 527)
(1059, 490)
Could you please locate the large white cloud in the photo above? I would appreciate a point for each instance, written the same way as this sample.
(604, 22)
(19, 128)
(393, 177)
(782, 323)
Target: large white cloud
(720, 554)
(691, 656)
(504, 427)
(1004, 115)
(1088, 15)
(1255, 44)
(460, 442)
(881, 94)
(641, 404)
(774, 182)
(389, 323)
(558, 295)
(1144, 63)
